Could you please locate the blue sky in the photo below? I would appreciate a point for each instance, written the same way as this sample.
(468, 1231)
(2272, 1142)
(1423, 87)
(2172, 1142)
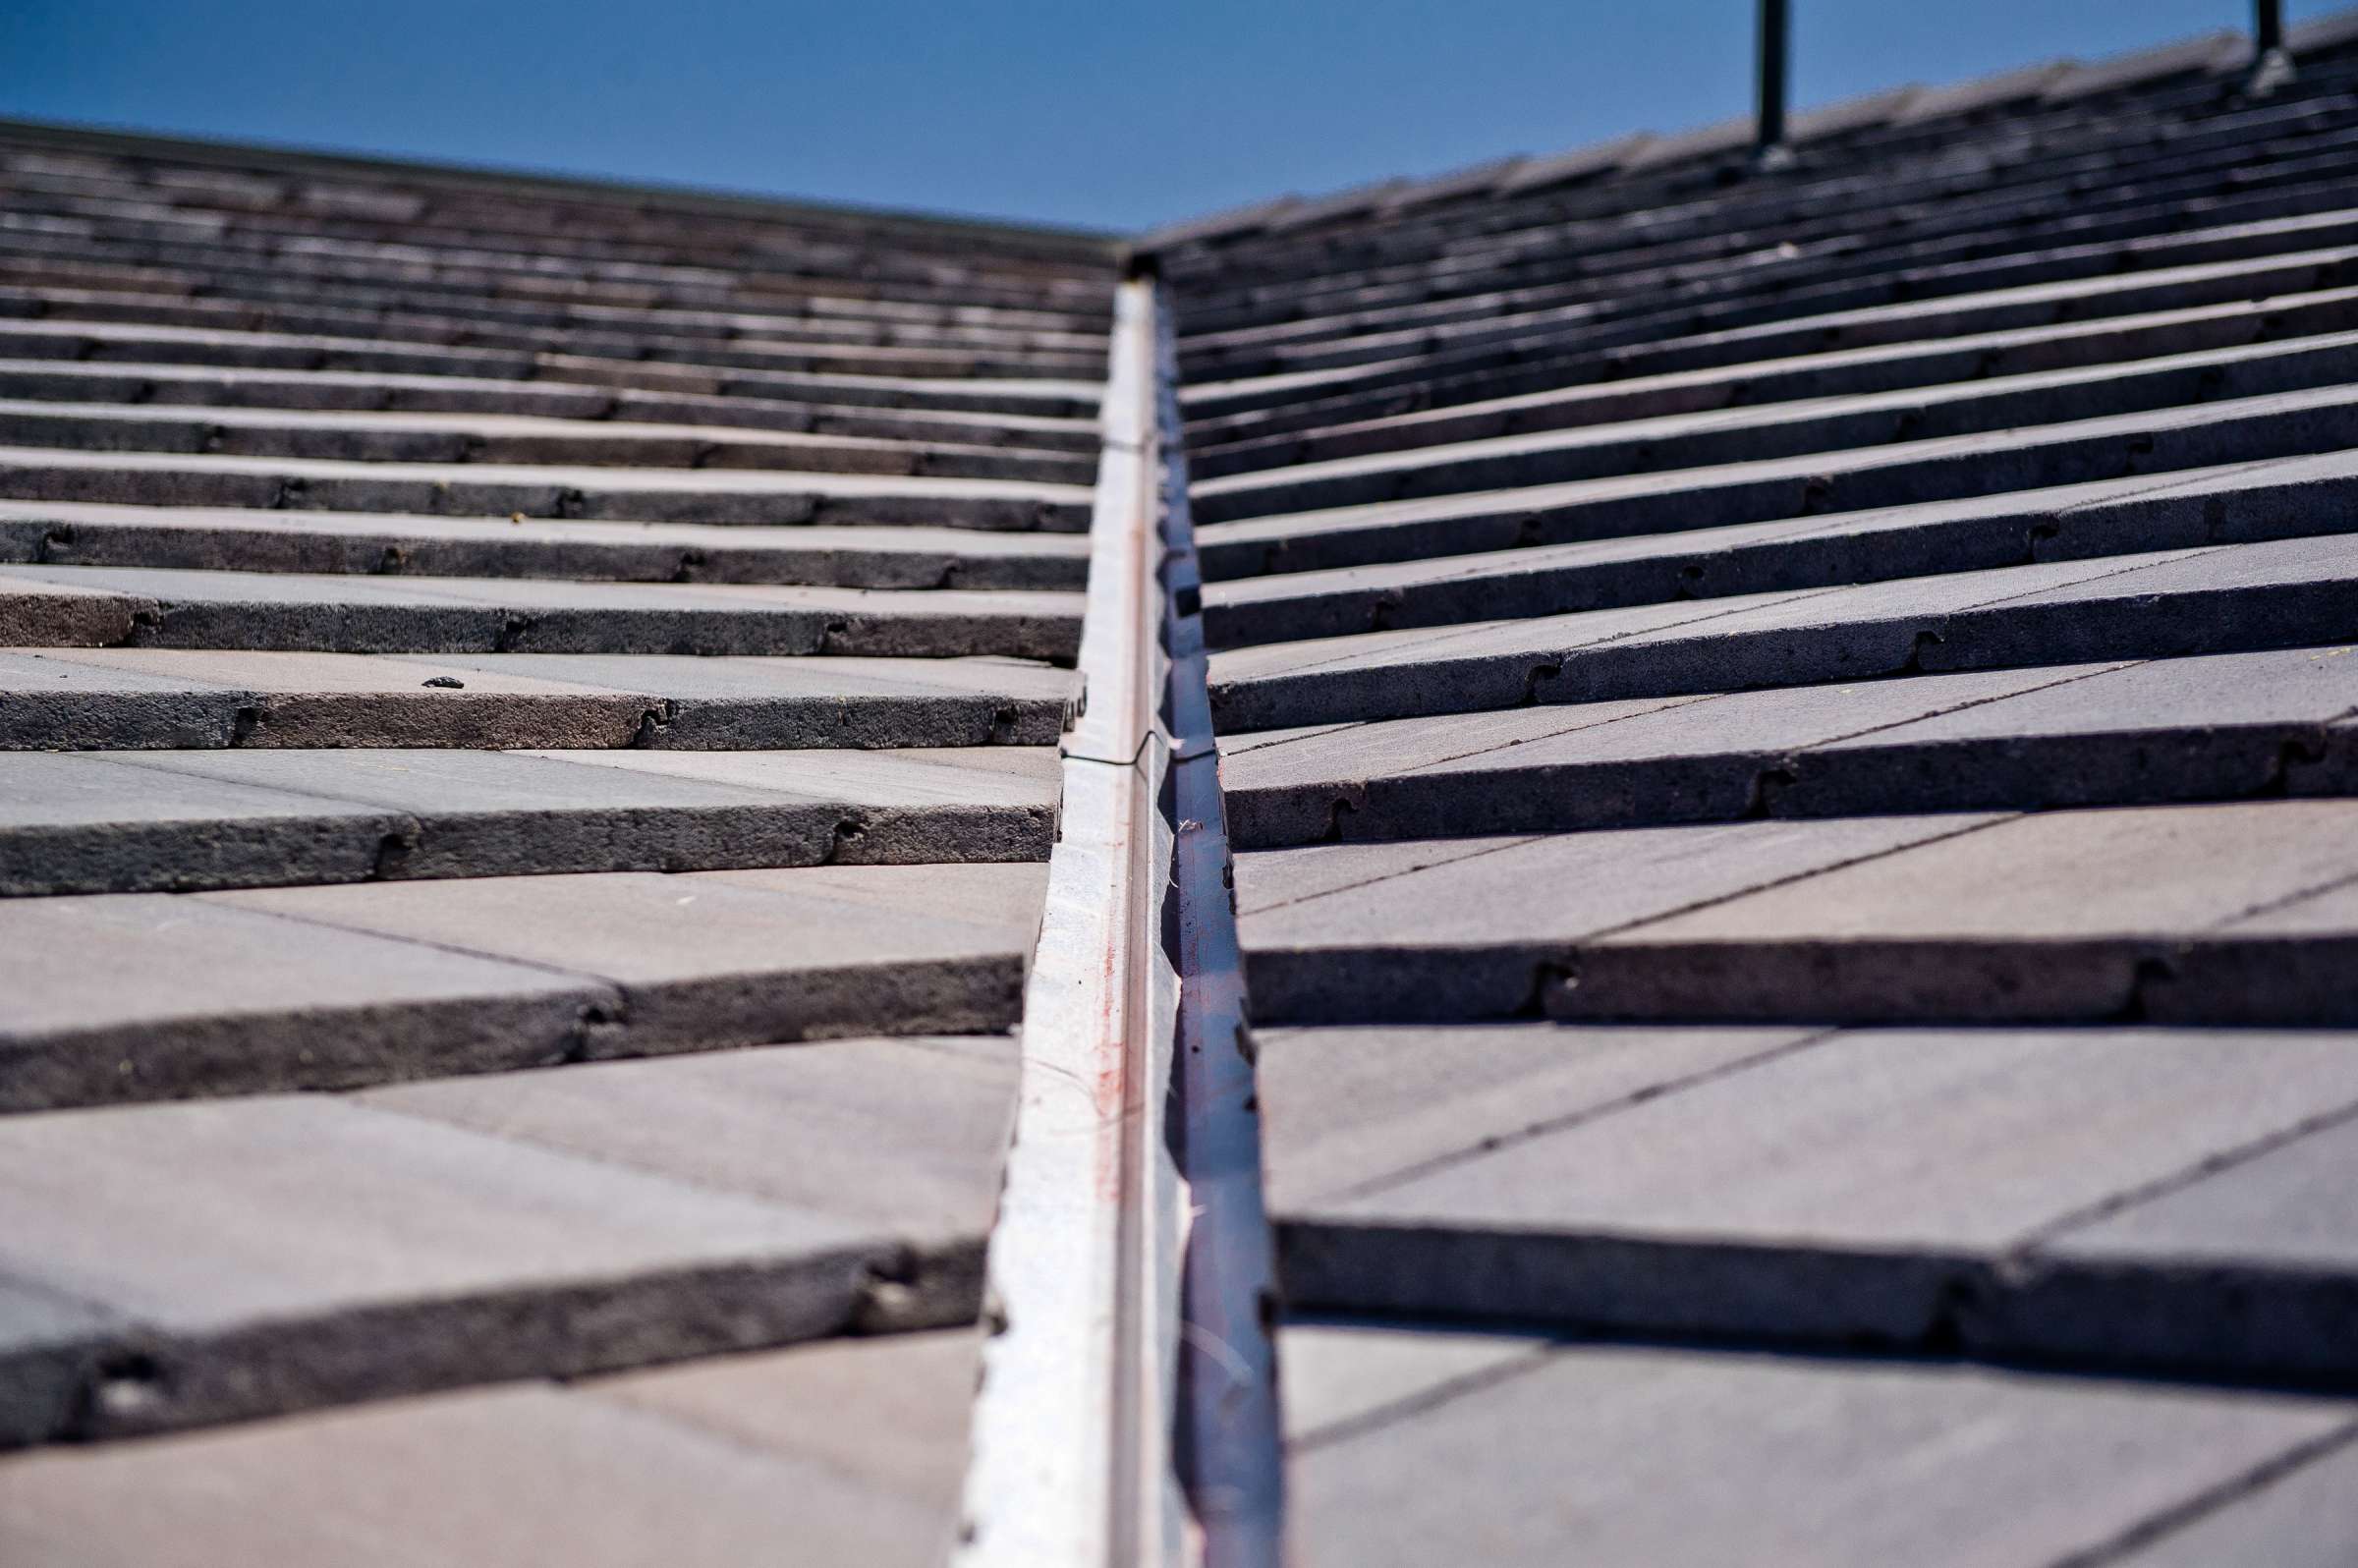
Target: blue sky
(1110, 114)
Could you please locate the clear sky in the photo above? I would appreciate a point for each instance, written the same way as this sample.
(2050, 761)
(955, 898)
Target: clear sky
(1101, 113)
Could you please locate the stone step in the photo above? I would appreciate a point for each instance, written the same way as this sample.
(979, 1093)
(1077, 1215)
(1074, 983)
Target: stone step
(1559, 1449)
(762, 266)
(1838, 244)
(2140, 1199)
(2221, 599)
(2224, 727)
(1503, 238)
(96, 606)
(1570, 403)
(1900, 473)
(210, 276)
(474, 490)
(703, 1465)
(247, 1257)
(432, 321)
(207, 994)
(2292, 217)
(369, 436)
(1689, 441)
(2051, 916)
(1668, 249)
(176, 822)
(222, 267)
(2230, 503)
(256, 539)
(1907, 326)
(132, 382)
(129, 337)
(146, 699)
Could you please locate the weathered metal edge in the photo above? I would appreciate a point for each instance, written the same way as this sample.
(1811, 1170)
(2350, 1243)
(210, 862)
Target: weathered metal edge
(1071, 1464)
(1228, 1443)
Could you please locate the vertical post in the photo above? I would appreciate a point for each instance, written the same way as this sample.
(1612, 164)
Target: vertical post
(1769, 148)
(2271, 65)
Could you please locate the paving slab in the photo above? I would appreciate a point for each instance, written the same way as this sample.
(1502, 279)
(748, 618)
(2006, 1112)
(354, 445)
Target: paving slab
(1569, 402)
(841, 702)
(85, 824)
(1682, 1457)
(476, 489)
(115, 381)
(704, 959)
(2242, 502)
(1346, 1106)
(1583, 764)
(343, 614)
(2297, 1516)
(1484, 927)
(903, 1134)
(890, 1412)
(2215, 727)
(2238, 597)
(135, 821)
(1699, 345)
(99, 699)
(2138, 911)
(1909, 1189)
(71, 339)
(45, 1354)
(1894, 473)
(419, 437)
(246, 539)
(1341, 1376)
(1821, 424)
(221, 994)
(530, 1476)
(269, 1253)
(167, 997)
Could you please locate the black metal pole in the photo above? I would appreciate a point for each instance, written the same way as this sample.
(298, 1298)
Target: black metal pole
(1769, 106)
(2272, 66)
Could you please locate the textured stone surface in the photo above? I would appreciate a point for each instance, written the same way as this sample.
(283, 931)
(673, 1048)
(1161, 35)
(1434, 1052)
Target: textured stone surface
(472, 489)
(709, 958)
(1912, 362)
(900, 1134)
(367, 435)
(1892, 473)
(1338, 1377)
(245, 540)
(890, 1412)
(124, 697)
(1480, 928)
(1682, 441)
(2274, 594)
(1346, 1106)
(135, 821)
(2299, 1517)
(270, 1253)
(168, 997)
(1589, 764)
(83, 824)
(1894, 1187)
(2051, 915)
(312, 613)
(1677, 1458)
(228, 992)
(532, 1476)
